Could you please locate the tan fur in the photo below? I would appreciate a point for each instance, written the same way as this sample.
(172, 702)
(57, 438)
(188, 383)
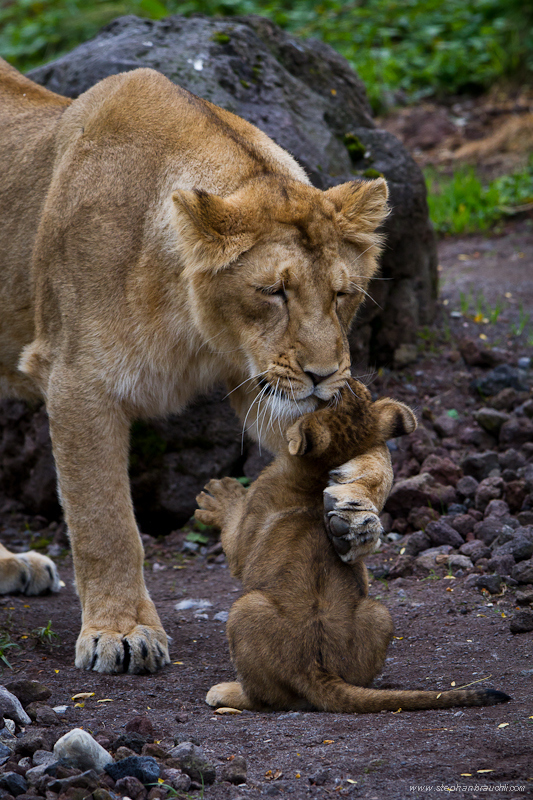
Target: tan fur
(153, 244)
(304, 634)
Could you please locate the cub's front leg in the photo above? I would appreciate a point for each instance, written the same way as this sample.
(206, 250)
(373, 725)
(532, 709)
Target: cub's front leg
(121, 631)
(353, 501)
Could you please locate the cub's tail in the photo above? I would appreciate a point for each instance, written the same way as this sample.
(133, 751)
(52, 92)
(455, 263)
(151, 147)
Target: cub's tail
(330, 693)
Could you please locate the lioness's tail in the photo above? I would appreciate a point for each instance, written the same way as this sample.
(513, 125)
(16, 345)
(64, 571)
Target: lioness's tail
(330, 693)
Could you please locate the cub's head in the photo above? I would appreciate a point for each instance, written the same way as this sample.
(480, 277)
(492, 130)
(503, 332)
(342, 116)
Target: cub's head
(276, 272)
(341, 431)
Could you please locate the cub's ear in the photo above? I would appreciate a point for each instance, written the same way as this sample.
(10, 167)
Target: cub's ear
(361, 206)
(307, 436)
(394, 418)
(214, 230)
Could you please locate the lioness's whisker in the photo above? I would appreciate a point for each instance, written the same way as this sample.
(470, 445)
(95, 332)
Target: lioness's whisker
(259, 375)
(244, 429)
(356, 285)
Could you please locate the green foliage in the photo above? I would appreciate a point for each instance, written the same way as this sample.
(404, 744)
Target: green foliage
(45, 634)
(463, 203)
(420, 47)
(5, 644)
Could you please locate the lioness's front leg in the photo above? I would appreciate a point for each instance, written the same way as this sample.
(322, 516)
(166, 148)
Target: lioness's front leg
(357, 494)
(121, 631)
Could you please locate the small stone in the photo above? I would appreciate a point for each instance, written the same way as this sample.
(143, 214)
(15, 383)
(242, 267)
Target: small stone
(501, 377)
(123, 752)
(489, 489)
(490, 419)
(141, 724)
(477, 355)
(191, 760)
(440, 532)
(490, 582)
(511, 459)
(77, 748)
(522, 622)
(43, 757)
(475, 550)
(101, 794)
(401, 567)
(176, 779)
(46, 716)
(145, 768)
(523, 572)
(13, 783)
(478, 466)
(131, 787)
(416, 543)
(427, 561)
(132, 739)
(233, 771)
(463, 524)
(154, 750)
(29, 691)
(516, 432)
(525, 517)
(34, 740)
(34, 774)
(524, 598)
(445, 426)
(182, 717)
(11, 707)
(501, 564)
(524, 362)
(488, 529)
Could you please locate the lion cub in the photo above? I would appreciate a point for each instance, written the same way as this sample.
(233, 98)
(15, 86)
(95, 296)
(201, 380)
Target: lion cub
(305, 634)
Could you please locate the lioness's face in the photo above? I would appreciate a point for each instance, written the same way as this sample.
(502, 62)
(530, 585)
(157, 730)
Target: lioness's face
(280, 312)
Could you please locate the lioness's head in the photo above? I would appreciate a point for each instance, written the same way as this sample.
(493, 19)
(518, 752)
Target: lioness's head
(276, 272)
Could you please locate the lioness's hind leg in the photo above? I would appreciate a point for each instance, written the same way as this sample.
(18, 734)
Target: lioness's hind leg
(218, 500)
(29, 573)
(229, 695)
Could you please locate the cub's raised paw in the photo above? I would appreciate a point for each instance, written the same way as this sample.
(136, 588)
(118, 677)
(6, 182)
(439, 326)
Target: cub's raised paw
(29, 573)
(217, 499)
(354, 531)
(143, 649)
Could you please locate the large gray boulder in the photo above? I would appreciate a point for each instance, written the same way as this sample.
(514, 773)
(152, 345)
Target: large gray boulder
(308, 99)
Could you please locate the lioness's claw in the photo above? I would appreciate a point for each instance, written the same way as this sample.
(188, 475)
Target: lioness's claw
(143, 649)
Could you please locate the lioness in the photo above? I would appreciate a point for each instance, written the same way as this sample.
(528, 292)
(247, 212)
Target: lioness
(151, 245)
(305, 635)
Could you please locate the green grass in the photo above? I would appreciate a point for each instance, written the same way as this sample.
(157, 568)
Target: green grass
(413, 47)
(5, 644)
(464, 203)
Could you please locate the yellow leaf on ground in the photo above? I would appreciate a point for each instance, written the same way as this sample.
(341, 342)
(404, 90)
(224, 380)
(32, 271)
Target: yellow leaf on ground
(105, 700)
(503, 725)
(485, 770)
(82, 695)
(228, 710)
(79, 705)
(483, 336)
(466, 774)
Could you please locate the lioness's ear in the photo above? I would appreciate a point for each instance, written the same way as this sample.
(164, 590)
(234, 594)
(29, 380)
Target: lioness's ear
(361, 206)
(394, 418)
(214, 230)
(308, 436)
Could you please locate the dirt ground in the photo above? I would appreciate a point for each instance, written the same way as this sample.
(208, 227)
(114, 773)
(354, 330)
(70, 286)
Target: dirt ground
(446, 634)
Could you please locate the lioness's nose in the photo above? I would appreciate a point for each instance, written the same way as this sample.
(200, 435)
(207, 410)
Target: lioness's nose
(319, 378)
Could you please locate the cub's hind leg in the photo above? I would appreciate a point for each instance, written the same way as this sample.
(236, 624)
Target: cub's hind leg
(29, 573)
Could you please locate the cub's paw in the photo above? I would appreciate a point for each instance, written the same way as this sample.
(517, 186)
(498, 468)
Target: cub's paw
(228, 695)
(143, 649)
(354, 530)
(30, 573)
(217, 499)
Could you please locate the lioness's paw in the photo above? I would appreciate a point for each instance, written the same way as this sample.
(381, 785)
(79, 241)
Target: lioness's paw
(218, 497)
(143, 649)
(30, 573)
(354, 531)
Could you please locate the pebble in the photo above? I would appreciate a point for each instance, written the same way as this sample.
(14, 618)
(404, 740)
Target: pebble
(185, 605)
(502, 377)
(478, 466)
(191, 759)
(29, 691)
(524, 362)
(131, 787)
(440, 533)
(233, 771)
(140, 724)
(132, 739)
(77, 748)
(13, 783)
(145, 768)
(522, 622)
(178, 780)
(11, 707)
(490, 419)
